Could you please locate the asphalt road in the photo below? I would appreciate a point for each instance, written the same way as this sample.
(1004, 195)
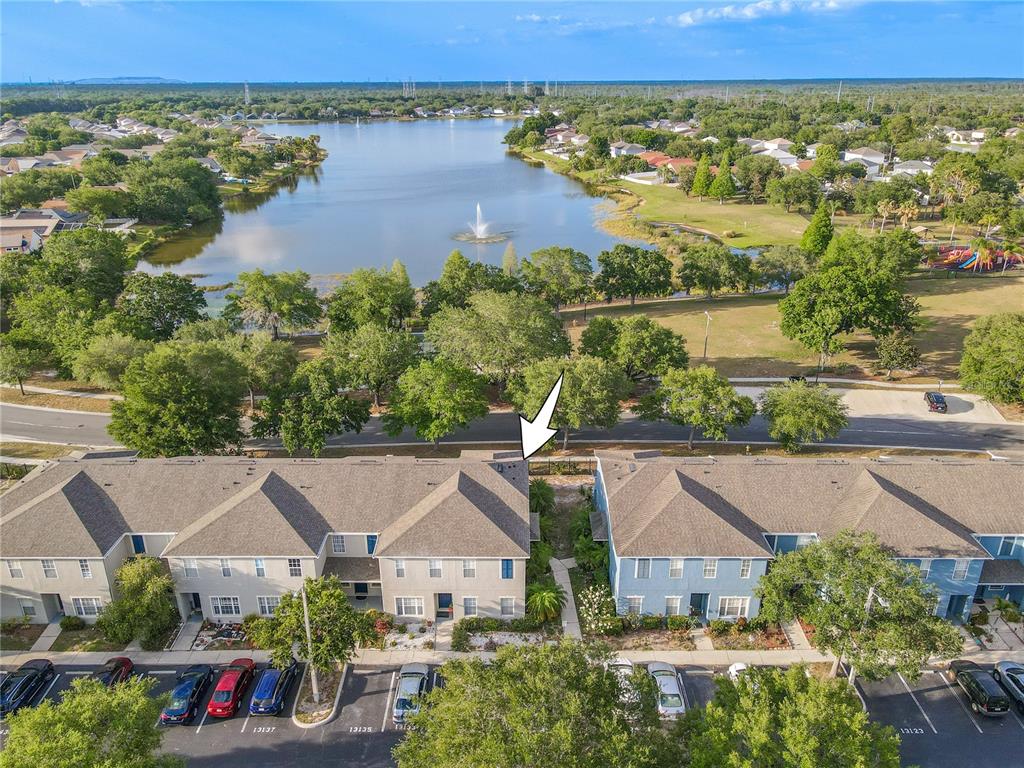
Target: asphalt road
(90, 429)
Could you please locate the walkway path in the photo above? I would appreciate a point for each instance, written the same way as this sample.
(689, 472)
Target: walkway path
(71, 393)
(795, 634)
(187, 634)
(45, 641)
(570, 620)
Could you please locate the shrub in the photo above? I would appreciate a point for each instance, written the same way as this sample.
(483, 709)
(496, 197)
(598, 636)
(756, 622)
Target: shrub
(632, 622)
(72, 623)
(596, 608)
(11, 624)
(741, 623)
(719, 627)
(653, 622)
(542, 497)
(490, 645)
(678, 623)
(541, 553)
(429, 645)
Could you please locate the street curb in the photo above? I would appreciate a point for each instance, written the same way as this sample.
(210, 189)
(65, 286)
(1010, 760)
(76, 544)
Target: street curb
(334, 709)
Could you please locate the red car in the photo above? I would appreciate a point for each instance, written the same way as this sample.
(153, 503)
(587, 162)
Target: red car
(116, 670)
(231, 686)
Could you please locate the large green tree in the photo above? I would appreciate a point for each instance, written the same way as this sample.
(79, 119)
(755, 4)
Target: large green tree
(374, 356)
(498, 334)
(630, 271)
(723, 186)
(773, 718)
(269, 363)
(818, 233)
(155, 306)
(20, 356)
(273, 300)
(699, 398)
(638, 345)
(559, 275)
(592, 390)
(536, 705)
(782, 265)
(381, 297)
(86, 260)
(702, 179)
(993, 358)
(754, 172)
(105, 359)
(799, 413)
(309, 409)
(867, 607)
(435, 398)
(144, 608)
(92, 726)
(710, 267)
(180, 399)
(461, 278)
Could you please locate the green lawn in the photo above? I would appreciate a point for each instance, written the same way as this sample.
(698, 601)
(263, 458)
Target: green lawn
(21, 638)
(88, 639)
(745, 339)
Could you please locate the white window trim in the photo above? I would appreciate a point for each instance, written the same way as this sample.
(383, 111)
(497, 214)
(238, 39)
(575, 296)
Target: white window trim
(417, 598)
(399, 569)
(744, 606)
(52, 567)
(640, 608)
(672, 567)
(476, 606)
(469, 569)
(215, 604)
(679, 609)
(86, 568)
(966, 569)
(225, 565)
(15, 569)
(268, 598)
(78, 612)
(190, 564)
(27, 606)
(291, 567)
(747, 563)
(713, 562)
(501, 605)
(336, 539)
(431, 569)
(925, 567)
(636, 567)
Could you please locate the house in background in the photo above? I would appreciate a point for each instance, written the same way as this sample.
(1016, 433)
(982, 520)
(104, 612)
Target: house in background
(693, 536)
(620, 148)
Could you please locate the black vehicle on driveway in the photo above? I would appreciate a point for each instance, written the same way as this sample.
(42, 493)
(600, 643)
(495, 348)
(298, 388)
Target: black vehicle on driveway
(20, 687)
(187, 693)
(986, 696)
(936, 402)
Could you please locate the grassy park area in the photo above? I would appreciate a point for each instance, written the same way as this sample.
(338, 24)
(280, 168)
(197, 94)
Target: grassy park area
(745, 339)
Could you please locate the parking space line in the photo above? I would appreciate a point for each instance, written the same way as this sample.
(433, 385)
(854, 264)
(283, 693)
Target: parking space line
(77, 673)
(202, 722)
(246, 722)
(682, 687)
(1017, 718)
(923, 713)
(52, 683)
(959, 701)
(161, 672)
(387, 702)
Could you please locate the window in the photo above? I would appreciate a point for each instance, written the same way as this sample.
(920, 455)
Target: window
(15, 570)
(85, 568)
(643, 568)
(675, 568)
(469, 569)
(28, 608)
(49, 569)
(400, 569)
(508, 606)
(86, 606)
(268, 604)
(225, 567)
(926, 568)
(745, 568)
(371, 543)
(191, 568)
(294, 566)
(139, 544)
(507, 569)
(1009, 543)
(261, 567)
(634, 604)
(469, 606)
(434, 569)
(960, 570)
(408, 606)
(733, 607)
(804, 539)
(673, 606)
(225, 606)
(710, 568)
(338, 544)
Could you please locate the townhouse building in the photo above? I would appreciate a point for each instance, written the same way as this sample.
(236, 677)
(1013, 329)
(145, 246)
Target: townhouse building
(694, 536)
(420, 538)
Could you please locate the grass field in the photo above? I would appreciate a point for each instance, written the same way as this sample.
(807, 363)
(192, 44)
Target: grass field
(88, 639)
(13, 396)
(18, 450)
(745, 339)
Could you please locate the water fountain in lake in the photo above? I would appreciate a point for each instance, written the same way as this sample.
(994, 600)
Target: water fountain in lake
(479, 232)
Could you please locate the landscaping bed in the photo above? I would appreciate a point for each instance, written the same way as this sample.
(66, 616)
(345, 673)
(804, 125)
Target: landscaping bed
(15, 636)
(652, 640)
(221, 637)
(87, 639)
(479, 633)
(419, 635)
(742, 635)
(308, 711)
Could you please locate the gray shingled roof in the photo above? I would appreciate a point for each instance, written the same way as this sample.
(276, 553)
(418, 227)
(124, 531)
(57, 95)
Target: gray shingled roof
(353, 568)
(1002, 572)
(662, 506)
(227, 506)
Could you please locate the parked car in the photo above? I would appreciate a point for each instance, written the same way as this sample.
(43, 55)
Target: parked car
(272, 689)
(936, 402)
(985, 695)
(737, 669)
(623, 670)
(1010, 674)
(19, 688)
(185, 698)
(114, 671)
(412, 682)
(670, 692)
(230, 689)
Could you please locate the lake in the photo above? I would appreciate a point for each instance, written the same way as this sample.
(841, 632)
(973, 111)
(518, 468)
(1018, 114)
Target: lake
(392, 190)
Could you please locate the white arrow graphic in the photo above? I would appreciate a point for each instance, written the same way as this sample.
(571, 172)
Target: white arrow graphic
(534, 434)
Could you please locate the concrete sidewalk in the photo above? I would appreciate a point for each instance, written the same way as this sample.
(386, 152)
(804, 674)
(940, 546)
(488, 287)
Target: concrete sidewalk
(570, 621)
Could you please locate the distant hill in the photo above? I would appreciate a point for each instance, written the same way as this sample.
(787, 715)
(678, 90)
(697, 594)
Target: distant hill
(127, 81)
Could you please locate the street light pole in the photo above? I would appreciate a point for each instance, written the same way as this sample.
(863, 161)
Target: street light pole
(309, 649)
(707, 329)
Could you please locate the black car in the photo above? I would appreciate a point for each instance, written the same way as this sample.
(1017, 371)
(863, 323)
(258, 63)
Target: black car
(192, 684)
(936, 402)
(986, 696)
(20, 687)
(114, 671)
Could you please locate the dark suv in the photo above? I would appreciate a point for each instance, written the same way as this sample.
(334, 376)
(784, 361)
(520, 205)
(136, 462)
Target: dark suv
(986, 696)
(936, 401)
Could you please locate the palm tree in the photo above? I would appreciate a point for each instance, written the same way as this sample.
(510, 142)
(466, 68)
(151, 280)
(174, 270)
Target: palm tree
(886, 208)
(544, 600)
(907, 212)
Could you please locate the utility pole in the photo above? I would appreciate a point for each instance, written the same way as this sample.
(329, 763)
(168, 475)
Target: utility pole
(246, 92)
(309, 650)
(839, 93)
(707, 330)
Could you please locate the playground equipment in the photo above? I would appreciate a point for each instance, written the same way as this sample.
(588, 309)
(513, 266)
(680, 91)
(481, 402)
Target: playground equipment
(964, 258)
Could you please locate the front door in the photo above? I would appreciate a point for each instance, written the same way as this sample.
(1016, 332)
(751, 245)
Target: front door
(955, 610)
(362, 589)
(699, 604)
(197, 602)
(444, 605)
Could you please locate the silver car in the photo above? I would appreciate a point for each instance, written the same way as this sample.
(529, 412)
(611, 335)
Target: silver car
(1010, 675)
(412, 682)
(670, 692)
(623, 670)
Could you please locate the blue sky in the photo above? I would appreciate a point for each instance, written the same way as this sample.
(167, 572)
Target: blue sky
(428, 41)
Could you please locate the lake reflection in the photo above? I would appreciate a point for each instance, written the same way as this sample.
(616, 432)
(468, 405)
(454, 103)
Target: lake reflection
(391, 190)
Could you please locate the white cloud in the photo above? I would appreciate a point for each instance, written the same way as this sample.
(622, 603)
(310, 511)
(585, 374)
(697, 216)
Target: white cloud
(753, 11)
